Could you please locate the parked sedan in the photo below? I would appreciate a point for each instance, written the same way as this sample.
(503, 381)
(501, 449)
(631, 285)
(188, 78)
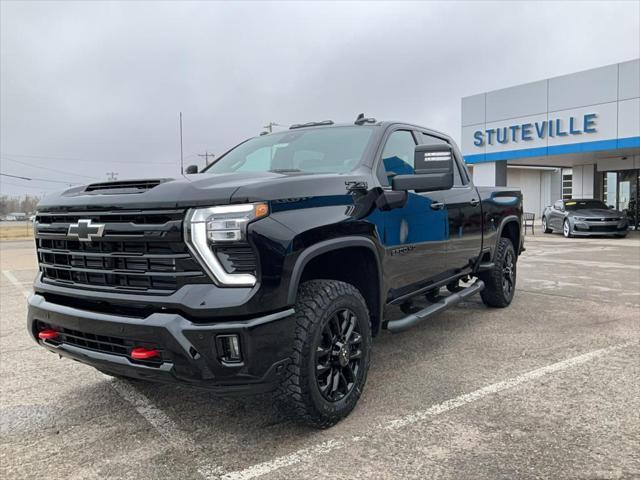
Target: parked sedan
(584, 217)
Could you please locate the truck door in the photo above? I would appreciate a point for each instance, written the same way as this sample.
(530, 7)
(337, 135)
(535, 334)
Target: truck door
(465, 221)
(414, 235)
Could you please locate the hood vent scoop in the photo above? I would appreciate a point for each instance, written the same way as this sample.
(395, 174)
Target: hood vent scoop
(124, 186)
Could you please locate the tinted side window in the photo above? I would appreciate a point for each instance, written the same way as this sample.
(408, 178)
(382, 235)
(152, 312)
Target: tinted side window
(397, 156)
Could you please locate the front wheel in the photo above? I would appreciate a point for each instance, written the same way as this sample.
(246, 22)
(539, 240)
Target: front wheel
(330, 356)
(545, 226)
(500, 281)
(566, 229)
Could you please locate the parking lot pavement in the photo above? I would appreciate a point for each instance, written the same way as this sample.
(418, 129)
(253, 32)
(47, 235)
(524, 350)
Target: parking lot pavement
(547, 388)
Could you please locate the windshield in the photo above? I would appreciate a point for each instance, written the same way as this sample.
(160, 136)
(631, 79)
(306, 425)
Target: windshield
(317, 150)
(580, 204)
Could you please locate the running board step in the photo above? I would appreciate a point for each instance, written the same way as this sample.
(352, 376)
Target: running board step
(402, 324)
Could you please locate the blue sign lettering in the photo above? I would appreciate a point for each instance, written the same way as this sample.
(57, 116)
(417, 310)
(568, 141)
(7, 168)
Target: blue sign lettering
(590, 122)
(504, 138)
(490, 136)
(478, 141)
(572, 130)
(538, 130)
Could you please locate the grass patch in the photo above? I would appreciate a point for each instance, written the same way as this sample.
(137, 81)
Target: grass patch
(16, 231)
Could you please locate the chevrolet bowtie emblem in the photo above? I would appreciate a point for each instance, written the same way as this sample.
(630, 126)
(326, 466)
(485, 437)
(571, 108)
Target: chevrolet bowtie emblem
(85, 230)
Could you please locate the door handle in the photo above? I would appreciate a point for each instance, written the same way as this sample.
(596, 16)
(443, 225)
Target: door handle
(474, 202)
(437, 205)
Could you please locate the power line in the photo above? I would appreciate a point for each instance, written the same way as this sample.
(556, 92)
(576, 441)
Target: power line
(14, 176)
(37, 179)
(206, 156)
(50, 169)
(49, 157)
(41, 188)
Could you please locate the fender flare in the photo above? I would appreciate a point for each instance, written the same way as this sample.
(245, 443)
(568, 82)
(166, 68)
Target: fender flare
(503, 222)
(325, 246)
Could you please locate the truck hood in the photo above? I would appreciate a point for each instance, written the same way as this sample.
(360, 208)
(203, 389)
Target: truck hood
(197, 190)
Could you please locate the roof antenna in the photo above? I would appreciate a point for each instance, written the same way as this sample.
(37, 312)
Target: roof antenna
(361, 120)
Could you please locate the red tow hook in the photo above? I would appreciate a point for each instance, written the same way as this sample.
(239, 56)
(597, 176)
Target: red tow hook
(47, 334)
(141, 353)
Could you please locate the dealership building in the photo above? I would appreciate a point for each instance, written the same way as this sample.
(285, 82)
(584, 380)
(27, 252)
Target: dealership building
(577, 136)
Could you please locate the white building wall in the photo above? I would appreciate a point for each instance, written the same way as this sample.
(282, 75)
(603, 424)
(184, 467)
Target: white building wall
(535, 186)
(610, 95)
(583, 181)
(484, 174)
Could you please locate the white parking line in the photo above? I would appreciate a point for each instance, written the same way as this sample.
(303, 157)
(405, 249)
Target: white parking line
(583, 263)
(166, 427)
(16, 283)
(171, 432)
(402, 422)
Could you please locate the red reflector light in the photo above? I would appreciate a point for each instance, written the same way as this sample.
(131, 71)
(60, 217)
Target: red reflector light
(47, 334)
(141, 353)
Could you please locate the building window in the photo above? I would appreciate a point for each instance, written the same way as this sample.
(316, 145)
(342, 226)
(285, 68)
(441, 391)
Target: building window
(567, 183)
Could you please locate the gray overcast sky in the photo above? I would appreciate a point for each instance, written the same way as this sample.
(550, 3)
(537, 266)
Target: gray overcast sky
(91, 87)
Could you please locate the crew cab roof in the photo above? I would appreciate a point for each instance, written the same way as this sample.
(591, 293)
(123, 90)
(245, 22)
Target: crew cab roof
(383, 124)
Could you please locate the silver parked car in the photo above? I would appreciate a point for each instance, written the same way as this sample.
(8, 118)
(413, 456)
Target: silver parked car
(584, 217)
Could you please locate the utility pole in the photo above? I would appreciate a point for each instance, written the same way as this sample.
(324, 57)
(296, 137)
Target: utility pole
(181, 155)
(111, 176)
(269, 126)
(206, 156)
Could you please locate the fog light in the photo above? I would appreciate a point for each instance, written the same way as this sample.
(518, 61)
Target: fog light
(229, 348)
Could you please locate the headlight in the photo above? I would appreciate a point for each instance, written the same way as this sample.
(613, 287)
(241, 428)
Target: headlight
(207, 227)
(579, 219)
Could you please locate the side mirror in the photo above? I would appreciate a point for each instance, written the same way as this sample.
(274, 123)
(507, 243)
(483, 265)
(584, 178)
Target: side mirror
(192, 169)
(433, 166)
(390, 199)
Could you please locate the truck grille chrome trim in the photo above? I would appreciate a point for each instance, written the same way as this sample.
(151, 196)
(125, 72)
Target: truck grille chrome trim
(139, 251)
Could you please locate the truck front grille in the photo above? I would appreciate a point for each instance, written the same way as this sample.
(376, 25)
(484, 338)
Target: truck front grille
(138, 251)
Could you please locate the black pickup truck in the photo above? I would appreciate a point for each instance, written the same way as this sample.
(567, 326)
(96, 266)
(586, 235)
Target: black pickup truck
(272, 269)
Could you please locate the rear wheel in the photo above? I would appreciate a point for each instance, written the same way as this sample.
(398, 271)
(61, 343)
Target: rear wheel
(500, 281)
(545, 226)
(330, 357)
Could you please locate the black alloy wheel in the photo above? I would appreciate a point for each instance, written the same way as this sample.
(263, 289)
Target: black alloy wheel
(508, 273)
(339, 356)
(330, 354)
(500, 280)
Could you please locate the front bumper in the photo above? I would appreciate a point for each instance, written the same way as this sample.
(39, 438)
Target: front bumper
(190, 353)
(605, 228)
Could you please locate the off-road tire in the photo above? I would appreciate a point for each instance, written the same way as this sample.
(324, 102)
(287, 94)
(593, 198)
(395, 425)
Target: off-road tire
(494, 294)
(545, 226)
(298, 396)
